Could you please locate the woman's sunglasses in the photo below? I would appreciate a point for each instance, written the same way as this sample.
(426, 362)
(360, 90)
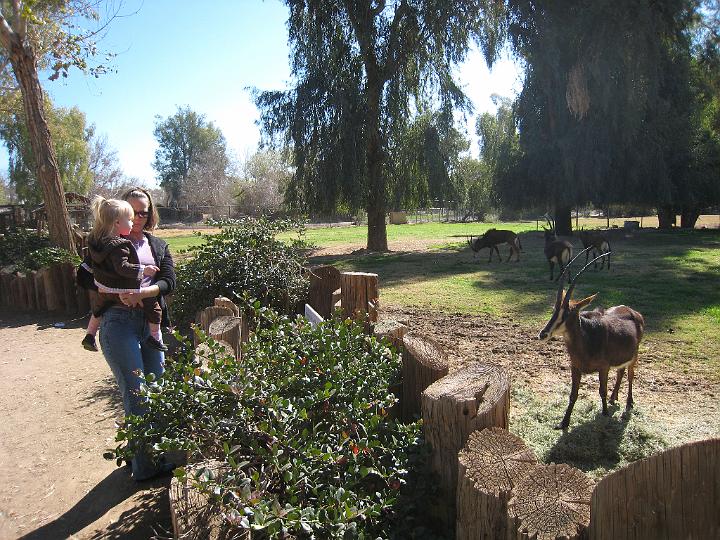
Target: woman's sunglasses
(142, 214)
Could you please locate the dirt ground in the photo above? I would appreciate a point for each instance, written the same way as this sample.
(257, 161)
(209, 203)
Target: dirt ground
(61, 404)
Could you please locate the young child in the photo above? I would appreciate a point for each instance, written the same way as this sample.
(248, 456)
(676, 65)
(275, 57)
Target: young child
(116, 268)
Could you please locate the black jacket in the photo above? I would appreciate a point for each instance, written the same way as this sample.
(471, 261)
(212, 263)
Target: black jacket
(164, 279)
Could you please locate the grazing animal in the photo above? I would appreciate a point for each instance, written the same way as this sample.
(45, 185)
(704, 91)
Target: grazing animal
(597, 341)
(556, 250)
(492, 238)
(599, 244)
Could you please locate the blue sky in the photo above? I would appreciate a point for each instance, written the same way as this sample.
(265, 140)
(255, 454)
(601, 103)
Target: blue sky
(205, 55)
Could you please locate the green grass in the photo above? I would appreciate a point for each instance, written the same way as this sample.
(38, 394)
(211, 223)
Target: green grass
(670, 277)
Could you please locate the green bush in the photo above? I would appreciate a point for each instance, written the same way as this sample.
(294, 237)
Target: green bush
(244, 260)
(303, 424)
(16, 244)
(47, 256)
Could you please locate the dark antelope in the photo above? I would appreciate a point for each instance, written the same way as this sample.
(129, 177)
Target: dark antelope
(556, 250)
(596, 341)
(599, 245)
(492, 238)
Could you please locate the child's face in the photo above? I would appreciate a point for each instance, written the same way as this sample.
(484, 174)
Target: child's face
(123, 226)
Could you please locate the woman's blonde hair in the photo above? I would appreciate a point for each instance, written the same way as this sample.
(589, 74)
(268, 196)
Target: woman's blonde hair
(137, 192)
(106, 212)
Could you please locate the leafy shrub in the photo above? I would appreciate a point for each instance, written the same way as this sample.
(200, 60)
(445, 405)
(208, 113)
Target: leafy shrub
(302, 422)
(47, 257)
(16, 244)
(244, 260)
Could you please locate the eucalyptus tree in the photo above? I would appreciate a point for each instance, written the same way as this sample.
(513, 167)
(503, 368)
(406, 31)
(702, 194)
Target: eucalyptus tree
(603, 113)
(360, 67)
(46, 34)
(188, 145)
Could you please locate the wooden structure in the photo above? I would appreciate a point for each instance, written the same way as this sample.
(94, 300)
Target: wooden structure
(324, 281)
(473, 398)
(489, 466)
(674, 494)
(48, 289)
(424, 361)
(359, 295)
(551, 501)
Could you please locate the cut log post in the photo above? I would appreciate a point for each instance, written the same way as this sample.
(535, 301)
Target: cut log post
(359, 292)
(67, 274)
(30, 291)
(5, 280)
(17, 296)
(492, 462)
(473, 398)
(40, 285)
(424, 361)
(324, 280)
(552, 501)
(391, 330)
(208, 315)
(227, 328)
(222, 301)
(53, 288)
(192, 514)
(83, 300)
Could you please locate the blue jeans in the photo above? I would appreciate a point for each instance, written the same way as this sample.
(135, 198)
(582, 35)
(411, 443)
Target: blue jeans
(122, 338)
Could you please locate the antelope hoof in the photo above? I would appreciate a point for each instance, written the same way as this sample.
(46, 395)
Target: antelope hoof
(629, 405)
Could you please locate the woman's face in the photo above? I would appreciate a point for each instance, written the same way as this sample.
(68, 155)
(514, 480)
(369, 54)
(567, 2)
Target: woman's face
(141, 207)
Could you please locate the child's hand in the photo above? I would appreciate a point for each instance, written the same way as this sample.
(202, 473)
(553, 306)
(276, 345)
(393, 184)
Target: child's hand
(150, 270)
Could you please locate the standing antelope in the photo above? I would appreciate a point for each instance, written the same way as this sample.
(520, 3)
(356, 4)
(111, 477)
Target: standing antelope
(556, 250)
(596, 341)
(599, 244)
(492, 238)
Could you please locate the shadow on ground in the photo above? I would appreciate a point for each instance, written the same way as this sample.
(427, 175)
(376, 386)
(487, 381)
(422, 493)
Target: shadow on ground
(148, 516)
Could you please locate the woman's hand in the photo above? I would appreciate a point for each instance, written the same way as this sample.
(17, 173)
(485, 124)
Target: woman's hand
(134, 299)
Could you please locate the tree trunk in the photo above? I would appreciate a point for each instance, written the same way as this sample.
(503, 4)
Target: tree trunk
(666, 217)
(376, 203)
(24, 66)
(563, 220)
(689, 217)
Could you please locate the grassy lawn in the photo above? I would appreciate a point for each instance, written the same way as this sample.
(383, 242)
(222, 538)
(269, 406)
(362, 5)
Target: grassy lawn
(670, 277)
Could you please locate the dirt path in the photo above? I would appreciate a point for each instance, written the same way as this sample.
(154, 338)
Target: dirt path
(60, 404)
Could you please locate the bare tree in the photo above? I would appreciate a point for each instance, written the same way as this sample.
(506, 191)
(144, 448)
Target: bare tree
(265, 176)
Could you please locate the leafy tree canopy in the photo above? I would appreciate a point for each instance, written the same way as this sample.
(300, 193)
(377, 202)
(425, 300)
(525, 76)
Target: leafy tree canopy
(361, 68)
(72, 139)
(189, 146)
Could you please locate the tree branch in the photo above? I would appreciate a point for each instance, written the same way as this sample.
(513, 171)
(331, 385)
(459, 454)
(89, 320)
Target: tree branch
(6, 33)
(20, 22)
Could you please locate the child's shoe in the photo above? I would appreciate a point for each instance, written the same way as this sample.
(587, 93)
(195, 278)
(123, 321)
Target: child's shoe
(88, 343)
(156, 344)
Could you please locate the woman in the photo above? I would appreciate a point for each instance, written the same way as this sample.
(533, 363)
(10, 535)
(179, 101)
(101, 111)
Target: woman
(124, 328)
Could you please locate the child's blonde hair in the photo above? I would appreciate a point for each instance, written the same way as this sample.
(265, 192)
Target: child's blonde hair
(106, 212)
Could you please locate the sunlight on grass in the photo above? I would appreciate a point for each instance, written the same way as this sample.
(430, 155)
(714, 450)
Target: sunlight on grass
(593, 443)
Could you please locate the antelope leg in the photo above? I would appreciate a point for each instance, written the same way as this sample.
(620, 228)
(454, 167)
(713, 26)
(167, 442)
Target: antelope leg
(573, 398)
(603, 375)
(616, 389)
(631, 376)
(552, 266)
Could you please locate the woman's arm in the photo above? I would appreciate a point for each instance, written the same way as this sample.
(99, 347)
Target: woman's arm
(136, 298)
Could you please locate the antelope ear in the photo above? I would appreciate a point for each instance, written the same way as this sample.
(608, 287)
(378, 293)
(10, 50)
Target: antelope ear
(585, 301)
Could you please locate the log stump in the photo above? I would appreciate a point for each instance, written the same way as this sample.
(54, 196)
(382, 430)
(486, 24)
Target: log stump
(552, 501)
(227, 328)
(359, 295)
(392, 330)
(424, 361)
(208, 315)
(17, 295)
(30, 290)
(40, 296)
(5, 280)
(67, 274)
(222, 301)
(492, 462)
(473, 398)
(193, 516)
(52, 288)
(324, 281)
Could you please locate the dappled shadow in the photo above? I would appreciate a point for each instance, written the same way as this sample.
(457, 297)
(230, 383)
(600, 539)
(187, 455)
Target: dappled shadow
(592, 445)
(43, 320)
(147, 517)
(655, 272)
(107, 393)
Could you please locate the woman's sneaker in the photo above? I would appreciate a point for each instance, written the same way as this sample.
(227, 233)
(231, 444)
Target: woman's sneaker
(88, 343)
(156, 344)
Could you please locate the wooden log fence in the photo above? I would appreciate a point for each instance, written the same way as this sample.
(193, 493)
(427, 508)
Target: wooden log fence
(424, 361)
(48, 289)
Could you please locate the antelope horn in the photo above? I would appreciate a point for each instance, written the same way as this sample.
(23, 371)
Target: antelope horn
(573, 280)
(567, 266)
